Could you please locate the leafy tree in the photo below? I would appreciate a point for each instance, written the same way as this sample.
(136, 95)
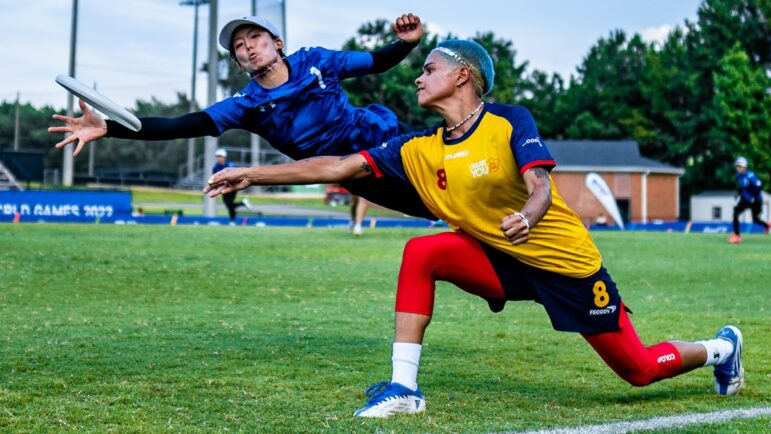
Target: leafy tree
(33, 131)
(394, 88)
(743, 114)
(542, 96)
(682, 87)
(510, 83)
(606, 100)
(163, 155)
(723, 23)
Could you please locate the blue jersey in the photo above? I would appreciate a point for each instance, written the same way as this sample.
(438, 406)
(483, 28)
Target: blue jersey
(749, 186)
(309, 115)
(217, 167)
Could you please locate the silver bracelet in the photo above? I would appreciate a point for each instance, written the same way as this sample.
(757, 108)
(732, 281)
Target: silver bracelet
(523, 218)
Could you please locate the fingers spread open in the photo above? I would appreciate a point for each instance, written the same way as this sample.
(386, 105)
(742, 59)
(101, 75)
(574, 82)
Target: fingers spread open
(78, 148)
(67, 141)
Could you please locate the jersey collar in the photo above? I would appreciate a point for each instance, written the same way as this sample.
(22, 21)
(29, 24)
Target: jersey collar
(468, 133)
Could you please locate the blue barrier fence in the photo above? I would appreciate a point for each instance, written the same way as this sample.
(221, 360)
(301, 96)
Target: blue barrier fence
(698, 227)
(115, 208)
(54, 205)
(316, 222)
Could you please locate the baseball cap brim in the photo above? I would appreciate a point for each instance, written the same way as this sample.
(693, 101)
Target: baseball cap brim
(226, 34)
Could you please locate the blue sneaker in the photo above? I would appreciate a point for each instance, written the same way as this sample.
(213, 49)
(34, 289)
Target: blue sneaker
(388, 399)
(729, 375)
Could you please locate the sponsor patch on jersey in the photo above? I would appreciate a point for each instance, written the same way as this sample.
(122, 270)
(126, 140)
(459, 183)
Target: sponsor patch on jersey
(480, 168)
(455, 155)
(533, 141)
(604, 311)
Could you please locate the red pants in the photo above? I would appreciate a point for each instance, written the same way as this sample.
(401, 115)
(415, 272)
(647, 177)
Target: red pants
(459, 259)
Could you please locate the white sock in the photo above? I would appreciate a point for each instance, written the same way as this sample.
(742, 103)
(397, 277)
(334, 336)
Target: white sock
(405, 360)
(718, 351)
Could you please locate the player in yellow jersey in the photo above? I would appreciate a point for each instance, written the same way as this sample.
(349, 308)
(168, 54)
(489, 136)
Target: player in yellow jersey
(485, 171)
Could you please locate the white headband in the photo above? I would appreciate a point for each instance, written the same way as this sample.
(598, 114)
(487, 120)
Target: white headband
(452, 54)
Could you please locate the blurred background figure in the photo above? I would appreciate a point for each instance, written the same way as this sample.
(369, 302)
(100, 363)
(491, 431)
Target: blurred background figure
(750, 196)
(358, 212)
(229, 198)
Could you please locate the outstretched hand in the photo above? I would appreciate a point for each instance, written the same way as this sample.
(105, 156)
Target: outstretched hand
(84, 129)
(408, 28)
(227, 180)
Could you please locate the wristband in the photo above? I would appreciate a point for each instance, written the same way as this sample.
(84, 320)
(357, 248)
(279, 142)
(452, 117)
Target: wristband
(523, 218)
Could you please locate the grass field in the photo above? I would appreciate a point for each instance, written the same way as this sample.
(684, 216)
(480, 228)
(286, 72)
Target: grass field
(202, 329)
(190, 203)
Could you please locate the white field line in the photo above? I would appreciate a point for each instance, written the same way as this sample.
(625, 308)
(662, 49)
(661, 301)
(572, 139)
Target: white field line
(658, 423)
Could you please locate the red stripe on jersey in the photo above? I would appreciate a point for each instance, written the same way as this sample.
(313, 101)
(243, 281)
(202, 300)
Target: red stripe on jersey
(532, 164)
(371, 162)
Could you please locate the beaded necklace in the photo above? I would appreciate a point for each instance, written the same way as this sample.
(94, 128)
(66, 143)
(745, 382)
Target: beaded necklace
(470, 115)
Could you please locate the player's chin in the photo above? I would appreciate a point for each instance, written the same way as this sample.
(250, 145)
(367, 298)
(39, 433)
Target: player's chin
(424, 101)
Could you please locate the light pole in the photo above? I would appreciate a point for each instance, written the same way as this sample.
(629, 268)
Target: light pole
(256, 141)
(16, 125)
(67, 162)
(210, 143)
(193, 105)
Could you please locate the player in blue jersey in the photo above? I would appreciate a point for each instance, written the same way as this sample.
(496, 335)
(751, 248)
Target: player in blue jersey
(750, 197)
(485, 171)
(296, 102)
(229, 199)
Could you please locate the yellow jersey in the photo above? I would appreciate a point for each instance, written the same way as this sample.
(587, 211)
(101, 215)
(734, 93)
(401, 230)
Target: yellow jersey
(473, 181)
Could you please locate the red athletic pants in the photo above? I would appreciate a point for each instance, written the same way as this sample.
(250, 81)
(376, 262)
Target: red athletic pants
(459, 259)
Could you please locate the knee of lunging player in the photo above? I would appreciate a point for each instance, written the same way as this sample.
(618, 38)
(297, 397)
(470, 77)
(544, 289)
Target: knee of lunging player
(417, 283)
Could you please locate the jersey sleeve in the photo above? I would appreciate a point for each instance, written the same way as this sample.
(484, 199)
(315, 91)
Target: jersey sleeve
(386, 159)
(527, 145)
(346, 63)
(226, 114)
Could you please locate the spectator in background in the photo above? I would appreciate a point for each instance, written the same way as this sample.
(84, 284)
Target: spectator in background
(750, 196)
(358, 212)
(229, 198)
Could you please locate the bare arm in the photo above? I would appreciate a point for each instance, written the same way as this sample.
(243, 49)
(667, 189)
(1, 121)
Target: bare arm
(309, 171)
(516, 227)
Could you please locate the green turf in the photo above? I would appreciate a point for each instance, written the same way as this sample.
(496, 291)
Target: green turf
(203, 329)
(190, 203)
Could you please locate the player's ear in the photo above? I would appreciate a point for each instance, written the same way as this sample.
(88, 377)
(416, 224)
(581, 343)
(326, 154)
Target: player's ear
(464, 75)
(278, 43)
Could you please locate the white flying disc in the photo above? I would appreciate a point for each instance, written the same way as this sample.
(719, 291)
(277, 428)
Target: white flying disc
(100, 102)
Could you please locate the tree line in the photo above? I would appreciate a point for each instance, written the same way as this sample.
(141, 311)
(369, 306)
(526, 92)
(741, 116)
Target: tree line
(695, 101)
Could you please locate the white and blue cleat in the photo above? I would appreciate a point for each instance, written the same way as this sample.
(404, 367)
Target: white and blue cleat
(729, 375)
(388, 399)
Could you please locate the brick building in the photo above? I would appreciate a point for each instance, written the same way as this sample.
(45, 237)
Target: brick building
(645, 190)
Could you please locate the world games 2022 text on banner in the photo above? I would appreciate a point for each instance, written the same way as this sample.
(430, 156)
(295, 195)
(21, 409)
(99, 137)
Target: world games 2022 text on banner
(86, 205)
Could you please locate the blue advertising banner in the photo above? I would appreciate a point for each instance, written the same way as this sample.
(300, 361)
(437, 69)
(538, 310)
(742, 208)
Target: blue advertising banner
(53, 205)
